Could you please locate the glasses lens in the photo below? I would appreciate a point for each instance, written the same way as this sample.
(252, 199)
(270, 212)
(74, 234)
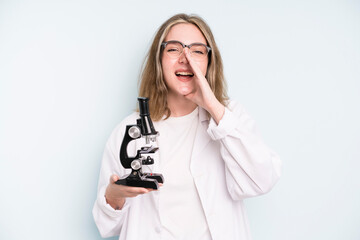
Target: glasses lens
(173, 49)
(198, 51)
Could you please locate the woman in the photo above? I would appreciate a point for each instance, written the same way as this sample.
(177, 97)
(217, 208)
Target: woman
(210, 154)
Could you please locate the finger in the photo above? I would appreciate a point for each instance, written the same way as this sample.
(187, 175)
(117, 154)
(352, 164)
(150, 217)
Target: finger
(193, 64)
(133, 191)
(137, 190)
(114, 178)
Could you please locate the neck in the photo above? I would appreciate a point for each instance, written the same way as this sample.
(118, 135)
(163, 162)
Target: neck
(180, 106)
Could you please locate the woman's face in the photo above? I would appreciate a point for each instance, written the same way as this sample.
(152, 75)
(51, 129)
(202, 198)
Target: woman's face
(178, 74)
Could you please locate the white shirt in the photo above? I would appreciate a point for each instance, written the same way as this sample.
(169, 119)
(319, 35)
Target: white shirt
(178, 197)
(229, 162)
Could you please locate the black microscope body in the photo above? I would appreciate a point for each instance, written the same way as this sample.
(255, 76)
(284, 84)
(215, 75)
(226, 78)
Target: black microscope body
(143, 128)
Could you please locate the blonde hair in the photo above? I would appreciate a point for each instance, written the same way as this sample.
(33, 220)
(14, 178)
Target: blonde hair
(152, 83)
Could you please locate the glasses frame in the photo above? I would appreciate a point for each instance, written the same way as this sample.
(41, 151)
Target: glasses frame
(208, 49)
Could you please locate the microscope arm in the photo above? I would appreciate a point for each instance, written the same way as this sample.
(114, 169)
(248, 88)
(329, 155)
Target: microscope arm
(125, 159)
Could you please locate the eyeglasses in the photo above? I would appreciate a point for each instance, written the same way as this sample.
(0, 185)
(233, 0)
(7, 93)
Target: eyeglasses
(174, 49)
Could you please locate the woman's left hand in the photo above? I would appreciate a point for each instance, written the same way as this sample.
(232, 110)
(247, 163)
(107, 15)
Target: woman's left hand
(202, 94)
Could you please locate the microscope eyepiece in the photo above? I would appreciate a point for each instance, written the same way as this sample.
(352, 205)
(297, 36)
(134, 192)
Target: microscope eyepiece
(144, 106)
(147, 127)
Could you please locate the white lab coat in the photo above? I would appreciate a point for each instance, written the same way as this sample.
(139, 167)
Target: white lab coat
(229, 162)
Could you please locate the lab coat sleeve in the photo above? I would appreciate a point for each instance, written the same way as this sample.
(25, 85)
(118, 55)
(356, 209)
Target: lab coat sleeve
(251, 167)
(108, 220)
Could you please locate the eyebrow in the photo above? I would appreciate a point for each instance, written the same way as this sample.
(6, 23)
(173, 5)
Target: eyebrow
(184, 43)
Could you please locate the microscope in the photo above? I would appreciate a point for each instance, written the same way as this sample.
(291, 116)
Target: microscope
(143, 128)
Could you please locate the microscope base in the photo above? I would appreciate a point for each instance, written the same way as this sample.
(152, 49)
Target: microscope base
(147, 180)
(158, 177)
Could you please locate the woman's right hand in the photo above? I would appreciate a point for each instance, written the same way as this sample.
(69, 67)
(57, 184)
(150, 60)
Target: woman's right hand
(116, 194)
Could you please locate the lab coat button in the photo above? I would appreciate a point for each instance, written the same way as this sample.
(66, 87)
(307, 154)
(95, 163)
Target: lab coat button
(158, 229)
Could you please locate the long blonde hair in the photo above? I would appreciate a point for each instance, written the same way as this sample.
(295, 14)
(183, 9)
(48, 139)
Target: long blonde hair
(152, 83)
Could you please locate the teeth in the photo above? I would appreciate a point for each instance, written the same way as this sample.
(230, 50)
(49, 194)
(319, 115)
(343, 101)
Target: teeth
(184, 74)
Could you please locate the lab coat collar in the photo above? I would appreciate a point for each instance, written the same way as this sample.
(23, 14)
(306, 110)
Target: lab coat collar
(203, 115)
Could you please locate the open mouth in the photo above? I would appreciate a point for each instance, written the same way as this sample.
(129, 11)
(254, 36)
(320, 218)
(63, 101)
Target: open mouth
(184, 74)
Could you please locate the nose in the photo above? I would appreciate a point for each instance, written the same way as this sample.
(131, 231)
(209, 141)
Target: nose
(182, 57)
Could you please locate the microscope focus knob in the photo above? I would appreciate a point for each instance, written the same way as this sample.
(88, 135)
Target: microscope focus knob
(134, 132)
(136, 164)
